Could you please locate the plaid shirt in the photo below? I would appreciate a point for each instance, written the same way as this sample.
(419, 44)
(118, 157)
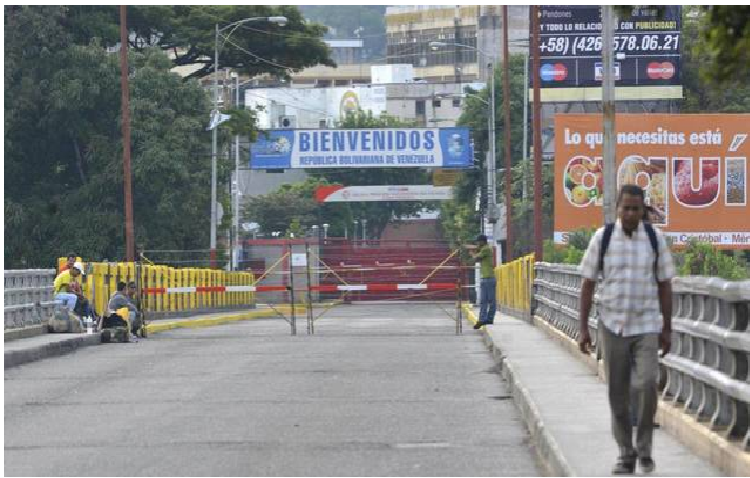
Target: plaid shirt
(629, 297)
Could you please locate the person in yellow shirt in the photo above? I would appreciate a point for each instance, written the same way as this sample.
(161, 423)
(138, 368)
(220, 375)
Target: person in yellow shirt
(68, 290)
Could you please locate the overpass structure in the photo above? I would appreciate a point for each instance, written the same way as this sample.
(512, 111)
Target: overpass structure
(559, 402)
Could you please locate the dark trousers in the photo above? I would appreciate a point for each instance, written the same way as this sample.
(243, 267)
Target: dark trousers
(637, 355)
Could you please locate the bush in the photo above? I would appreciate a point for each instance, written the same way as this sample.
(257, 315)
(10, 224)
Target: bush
(701, 258)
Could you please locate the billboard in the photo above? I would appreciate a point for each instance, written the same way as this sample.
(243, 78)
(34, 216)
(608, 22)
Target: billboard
(324, 194)
(693, 169)
(647, 47)
(362, 148)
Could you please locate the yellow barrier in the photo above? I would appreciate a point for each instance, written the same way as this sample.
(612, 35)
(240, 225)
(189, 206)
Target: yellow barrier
(515, 284)
(101, 278)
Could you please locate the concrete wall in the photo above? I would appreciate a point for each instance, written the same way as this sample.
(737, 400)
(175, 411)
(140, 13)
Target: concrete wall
(29, 298)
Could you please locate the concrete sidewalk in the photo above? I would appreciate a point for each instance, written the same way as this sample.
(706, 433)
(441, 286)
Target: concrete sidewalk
(565, 406)
(31, 349)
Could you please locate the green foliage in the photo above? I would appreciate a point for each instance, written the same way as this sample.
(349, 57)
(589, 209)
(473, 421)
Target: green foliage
(702, 93)
(727, 36)
(63, 143)
(475, 116)
(292, 208)
(294, 230)
(723, 38)
(573, 251)
(701, 258)
(188, 31)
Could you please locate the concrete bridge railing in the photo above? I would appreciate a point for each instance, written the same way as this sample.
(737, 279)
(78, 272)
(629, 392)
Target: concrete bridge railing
(29, 297)
(707, 373)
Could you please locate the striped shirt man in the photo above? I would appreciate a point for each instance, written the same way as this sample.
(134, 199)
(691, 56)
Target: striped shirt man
(629, 302)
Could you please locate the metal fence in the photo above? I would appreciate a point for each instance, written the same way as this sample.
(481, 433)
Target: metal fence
(29, 298)
(707, 371)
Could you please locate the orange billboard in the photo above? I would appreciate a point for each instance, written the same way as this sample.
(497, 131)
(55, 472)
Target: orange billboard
(692, 167)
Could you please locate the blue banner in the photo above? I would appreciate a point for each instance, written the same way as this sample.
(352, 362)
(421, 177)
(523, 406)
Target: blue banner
(362, 148)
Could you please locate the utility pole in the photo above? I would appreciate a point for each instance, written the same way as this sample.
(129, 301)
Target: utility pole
(538, 245)
(492, 160)
(608, 109)
(508, 162)
(214, 147)
(236, 216)
(125, 87)
(525, 126)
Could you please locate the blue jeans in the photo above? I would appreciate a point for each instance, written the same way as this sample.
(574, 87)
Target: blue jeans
(68, 300)
(487, 300)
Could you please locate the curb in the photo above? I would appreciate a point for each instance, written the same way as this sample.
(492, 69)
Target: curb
(162, 326)
(547, 451)
(15, 358)
(724, 455)
(25, 332)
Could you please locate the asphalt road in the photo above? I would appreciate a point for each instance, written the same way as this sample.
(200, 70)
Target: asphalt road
(378, 390)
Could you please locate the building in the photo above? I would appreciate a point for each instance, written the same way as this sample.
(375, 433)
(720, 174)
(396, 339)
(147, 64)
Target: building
(425, 104)
(346, 52)
(412, 32)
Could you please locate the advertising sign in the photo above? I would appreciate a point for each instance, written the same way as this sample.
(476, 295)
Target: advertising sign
(693, 169)
(337, 193)
(647, 47)
(362, 148)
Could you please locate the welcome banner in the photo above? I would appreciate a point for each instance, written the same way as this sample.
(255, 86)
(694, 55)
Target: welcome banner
(693, 169)
(362, 148)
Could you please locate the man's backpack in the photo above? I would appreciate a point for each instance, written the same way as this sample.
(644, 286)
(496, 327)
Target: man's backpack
(607, 236)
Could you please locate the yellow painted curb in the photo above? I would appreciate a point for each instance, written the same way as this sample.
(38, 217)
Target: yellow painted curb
(161, 326)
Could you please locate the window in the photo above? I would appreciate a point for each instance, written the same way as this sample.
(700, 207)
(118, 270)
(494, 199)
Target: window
(436, 103)
(420, 108)
(457, 102)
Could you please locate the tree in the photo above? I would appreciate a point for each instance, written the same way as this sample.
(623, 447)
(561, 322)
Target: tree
(474, 115)
(725, 34)
(63, 153)
(63, 142)
(188, 33)
(701, 94)
(292, 208)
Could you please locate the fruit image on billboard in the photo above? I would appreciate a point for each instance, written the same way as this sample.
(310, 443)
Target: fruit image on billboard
(693, 170)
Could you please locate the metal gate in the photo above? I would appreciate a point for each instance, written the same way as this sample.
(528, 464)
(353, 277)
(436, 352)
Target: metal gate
(335, 274)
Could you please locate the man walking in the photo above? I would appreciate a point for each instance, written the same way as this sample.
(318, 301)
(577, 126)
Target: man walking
(635, 320)
(488, 285)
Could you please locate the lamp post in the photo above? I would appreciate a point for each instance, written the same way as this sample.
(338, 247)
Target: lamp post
(214, 136)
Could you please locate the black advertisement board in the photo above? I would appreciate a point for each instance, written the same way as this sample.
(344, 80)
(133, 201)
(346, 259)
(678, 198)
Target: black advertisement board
(647, 47)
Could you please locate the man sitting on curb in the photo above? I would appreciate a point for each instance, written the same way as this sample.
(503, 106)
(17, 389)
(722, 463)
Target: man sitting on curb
(68, 291)
(487, 306)
(120, 299)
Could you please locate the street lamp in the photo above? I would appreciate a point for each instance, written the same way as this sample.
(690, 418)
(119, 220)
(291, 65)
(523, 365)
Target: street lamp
(325, 230)
(281, 21)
